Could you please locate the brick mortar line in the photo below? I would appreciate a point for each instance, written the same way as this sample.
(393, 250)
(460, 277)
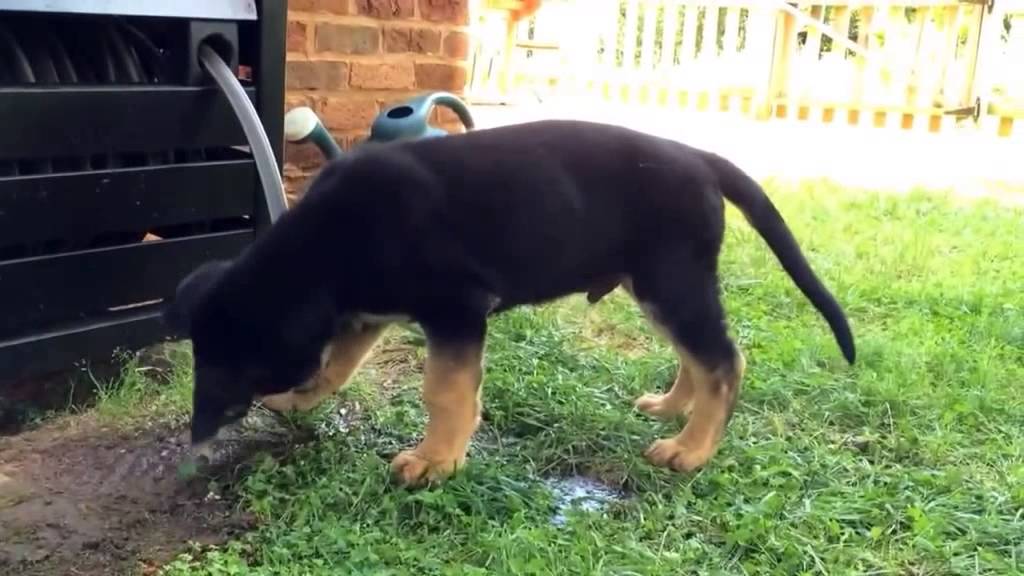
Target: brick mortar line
(342, 135)
(310, 37)
(376, 58)
(314, 18)
(445, 30)
(358, 95)
(386, 58)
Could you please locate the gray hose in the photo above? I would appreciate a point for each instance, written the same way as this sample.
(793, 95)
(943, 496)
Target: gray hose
(270, 178)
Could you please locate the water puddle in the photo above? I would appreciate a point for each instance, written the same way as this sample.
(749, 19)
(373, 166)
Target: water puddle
(341, 420)
(579, 493)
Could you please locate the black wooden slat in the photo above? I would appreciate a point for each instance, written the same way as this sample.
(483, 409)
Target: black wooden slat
(38, 292)
(77, 120)
(81, 205)
(59, 350)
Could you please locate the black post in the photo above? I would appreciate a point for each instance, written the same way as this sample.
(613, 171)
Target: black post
(270, 71)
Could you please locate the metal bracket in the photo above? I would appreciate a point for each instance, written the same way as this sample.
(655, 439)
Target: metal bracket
(988, 4)
(973, 111)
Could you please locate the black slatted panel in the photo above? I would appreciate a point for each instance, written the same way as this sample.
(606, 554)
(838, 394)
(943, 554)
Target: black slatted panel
(130, 118)
(60, 348)
(121, 169)
(69, 288)
(41, 208)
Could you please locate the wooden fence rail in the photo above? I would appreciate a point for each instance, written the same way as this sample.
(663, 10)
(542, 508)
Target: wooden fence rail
(925, 65)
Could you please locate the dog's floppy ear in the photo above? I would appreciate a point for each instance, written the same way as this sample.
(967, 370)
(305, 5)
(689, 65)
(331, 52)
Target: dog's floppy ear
(177, 314)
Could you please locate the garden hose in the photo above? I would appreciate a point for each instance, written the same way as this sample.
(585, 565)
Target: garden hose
(266, 165)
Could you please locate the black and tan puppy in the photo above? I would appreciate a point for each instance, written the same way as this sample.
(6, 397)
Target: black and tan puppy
(445, 232)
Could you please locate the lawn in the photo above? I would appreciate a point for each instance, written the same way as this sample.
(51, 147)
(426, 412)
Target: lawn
(910, 462)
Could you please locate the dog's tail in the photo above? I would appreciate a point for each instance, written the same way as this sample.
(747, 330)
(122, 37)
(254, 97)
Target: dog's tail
(741, 190)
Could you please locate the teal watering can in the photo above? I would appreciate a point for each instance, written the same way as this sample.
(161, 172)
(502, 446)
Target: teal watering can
(404, 121)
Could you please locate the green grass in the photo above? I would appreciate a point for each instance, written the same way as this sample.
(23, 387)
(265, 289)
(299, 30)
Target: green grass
(155, 389)
(911, 462)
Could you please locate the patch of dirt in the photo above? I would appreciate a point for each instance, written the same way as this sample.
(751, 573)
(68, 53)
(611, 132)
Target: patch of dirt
(27, 400)
(80, 497)
(77, 497)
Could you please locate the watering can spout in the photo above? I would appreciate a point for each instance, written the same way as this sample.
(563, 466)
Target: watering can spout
(302, 125)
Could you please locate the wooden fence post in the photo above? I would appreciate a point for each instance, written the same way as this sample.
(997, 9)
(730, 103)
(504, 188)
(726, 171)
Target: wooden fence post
(973, 45)
(987, 62)
(858, 113)
(782, 56)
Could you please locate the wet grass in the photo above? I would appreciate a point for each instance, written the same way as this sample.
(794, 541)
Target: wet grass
(910, 462)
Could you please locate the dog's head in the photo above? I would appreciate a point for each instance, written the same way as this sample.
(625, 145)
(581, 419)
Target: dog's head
(240, 350)
(219, 395)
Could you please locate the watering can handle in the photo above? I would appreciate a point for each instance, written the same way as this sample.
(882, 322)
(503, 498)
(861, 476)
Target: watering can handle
(446, 100)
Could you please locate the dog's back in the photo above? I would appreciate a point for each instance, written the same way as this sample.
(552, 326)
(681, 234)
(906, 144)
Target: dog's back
(535, 210)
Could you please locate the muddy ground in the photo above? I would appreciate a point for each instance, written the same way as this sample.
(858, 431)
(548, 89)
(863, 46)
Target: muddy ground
(77, 497)
(81, 497)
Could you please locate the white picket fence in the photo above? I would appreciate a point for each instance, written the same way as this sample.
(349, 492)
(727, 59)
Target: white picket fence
(914, 64)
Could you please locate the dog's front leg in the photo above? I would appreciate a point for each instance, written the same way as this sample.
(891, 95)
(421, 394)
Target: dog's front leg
(451, 394)
(342, 357)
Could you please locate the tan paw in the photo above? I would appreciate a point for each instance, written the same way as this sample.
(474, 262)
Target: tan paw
(671, 453)
(660, 406)
(284, 402)
(294, 400)
(411, 469)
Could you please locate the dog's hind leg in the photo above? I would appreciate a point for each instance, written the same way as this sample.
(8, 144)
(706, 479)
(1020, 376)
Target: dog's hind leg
(343, 356)
(451, 394)
(680, 294)
(602, 288)
(677, 401)
(679, 398)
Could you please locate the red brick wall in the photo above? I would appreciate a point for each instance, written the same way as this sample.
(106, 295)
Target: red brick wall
(349, 58)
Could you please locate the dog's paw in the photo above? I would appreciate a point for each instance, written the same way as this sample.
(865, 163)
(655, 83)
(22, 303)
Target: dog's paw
(293, 400)
(282, 403)
(661, 406)
(671, 453)
(410, 468)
